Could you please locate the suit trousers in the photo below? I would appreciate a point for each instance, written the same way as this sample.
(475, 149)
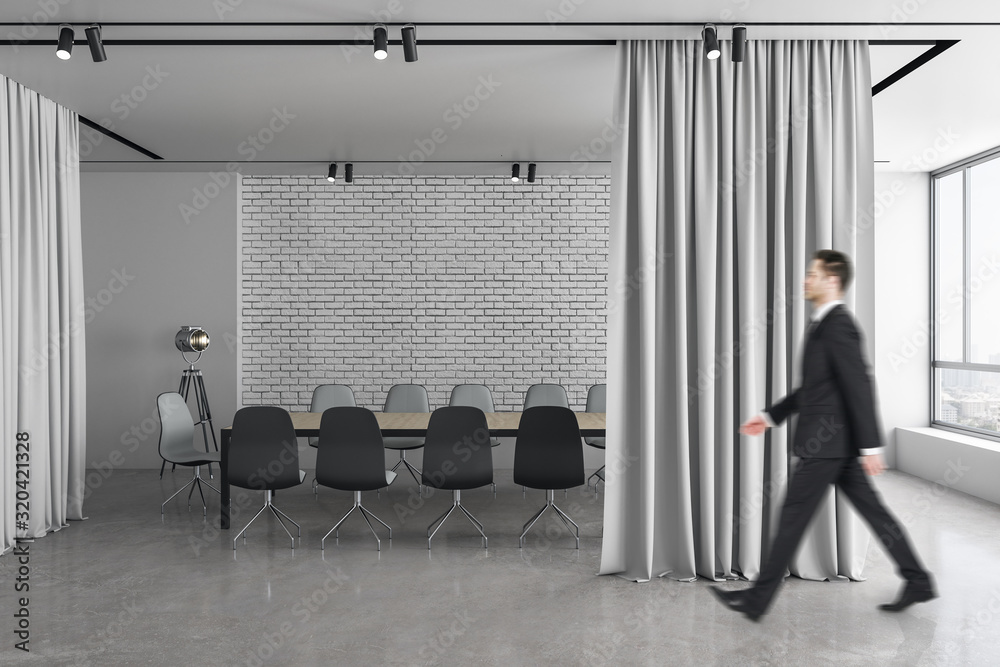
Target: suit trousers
(805, 490)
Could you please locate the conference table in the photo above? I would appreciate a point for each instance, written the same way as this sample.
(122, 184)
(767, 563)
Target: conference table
(406, 424)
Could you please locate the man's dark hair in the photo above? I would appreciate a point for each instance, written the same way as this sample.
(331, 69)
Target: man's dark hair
(836, 263)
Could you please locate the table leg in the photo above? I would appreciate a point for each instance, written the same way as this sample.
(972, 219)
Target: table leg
(224, 474)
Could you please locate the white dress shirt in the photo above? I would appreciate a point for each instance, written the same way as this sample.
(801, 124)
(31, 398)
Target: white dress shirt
(816, 317)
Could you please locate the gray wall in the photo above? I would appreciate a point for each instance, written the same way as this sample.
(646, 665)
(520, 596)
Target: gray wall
(902, 314)
(147, 271)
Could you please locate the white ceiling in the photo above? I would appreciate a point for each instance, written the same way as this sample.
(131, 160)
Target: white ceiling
(549, 101)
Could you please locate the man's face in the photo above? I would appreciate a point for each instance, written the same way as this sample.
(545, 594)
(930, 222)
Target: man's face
(817, 284)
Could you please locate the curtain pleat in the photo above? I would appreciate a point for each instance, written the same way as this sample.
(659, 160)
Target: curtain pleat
(42, 343)
(726, 179)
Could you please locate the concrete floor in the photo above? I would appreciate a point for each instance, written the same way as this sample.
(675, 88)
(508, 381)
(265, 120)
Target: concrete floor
(124, 588)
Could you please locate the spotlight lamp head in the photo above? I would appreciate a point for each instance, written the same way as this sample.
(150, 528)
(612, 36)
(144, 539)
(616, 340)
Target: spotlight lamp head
(96, 44)
(191, 339)
(711, 42)
(531, 172)
(739, 42)
(349, 172)
(515, 173)
(66, 37)
(331, 174)
(381, 40)
(409, 34)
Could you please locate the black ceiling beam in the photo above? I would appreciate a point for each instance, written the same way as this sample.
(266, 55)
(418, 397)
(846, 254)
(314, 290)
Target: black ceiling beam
(326, 42)
(940, 46)
(117, 137)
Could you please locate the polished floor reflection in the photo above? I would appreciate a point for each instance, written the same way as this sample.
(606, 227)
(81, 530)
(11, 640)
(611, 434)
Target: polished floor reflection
(125, 588)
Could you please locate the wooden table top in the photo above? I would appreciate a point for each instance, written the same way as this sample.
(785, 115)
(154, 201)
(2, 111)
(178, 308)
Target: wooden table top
(415, 423)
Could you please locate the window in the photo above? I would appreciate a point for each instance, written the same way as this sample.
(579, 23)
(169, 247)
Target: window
(965, 357)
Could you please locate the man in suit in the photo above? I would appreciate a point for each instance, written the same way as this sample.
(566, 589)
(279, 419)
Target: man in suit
(837, 440)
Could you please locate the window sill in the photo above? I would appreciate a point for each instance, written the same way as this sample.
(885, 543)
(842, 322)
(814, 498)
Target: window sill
(954, 460)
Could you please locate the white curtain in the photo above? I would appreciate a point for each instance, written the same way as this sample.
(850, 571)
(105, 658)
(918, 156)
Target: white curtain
(41, 314)
(727, 178)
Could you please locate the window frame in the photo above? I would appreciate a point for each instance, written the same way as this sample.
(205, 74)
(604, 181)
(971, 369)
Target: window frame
(963, 166)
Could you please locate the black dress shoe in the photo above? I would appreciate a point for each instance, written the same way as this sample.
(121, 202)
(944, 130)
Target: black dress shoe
(912, 593)
(737, 601)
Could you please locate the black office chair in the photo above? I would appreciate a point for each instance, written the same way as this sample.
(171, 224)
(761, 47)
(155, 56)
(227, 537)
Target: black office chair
(597, 399)
(548, 454)
(264, 455)
(406, 398)
(326, 396)
(177, 445)
(458, 455)
(351, 457)
(476, 396)
(544, 394)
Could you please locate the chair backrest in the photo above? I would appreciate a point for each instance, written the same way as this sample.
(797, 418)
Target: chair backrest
(407, 398)
(597, 400)
(472, 395)
(545, 394)
(263, 451)
(548, 452)
(351, 456)
(457, 450)
(176, 426)
(327, 396)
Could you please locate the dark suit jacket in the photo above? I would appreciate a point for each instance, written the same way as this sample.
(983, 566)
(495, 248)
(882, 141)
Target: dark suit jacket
(836, 401)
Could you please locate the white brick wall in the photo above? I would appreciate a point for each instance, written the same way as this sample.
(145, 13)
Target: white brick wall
(429, 280)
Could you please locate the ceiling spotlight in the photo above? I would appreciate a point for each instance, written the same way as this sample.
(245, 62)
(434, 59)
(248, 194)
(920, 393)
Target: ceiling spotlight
(349, 172)
(739, 42)
(531, 172)
(711, 42)
(409, 43)
(65, 48)
(331, 175)
(96, 45)
(515, 173)
(381, 42)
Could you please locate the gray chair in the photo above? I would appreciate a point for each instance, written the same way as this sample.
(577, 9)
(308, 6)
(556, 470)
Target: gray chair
(324, 397)
(548, 454)
(406, 398)
(177, 445)
(475, 396)
(351, 457)
(544, 394)
(457, 456)
(264, 455)
(596, 402)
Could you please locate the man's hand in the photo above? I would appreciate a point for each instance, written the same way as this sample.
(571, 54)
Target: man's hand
(873, 464)
(754, 426)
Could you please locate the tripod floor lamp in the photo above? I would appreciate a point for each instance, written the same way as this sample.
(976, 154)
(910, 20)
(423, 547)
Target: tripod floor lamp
(195, 340)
